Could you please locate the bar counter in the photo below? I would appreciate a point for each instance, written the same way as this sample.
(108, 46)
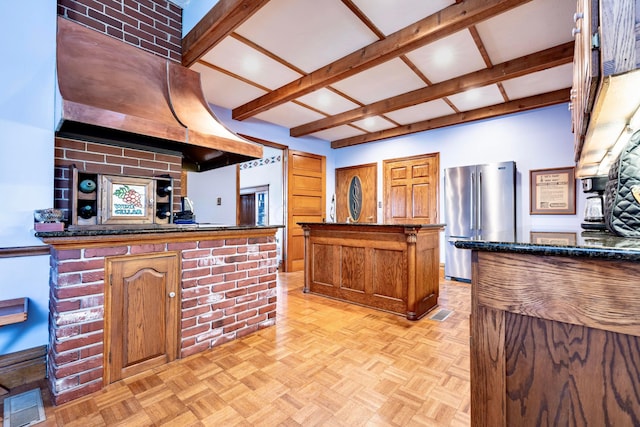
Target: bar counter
(129, 299)
(390, 267)
(555, 330)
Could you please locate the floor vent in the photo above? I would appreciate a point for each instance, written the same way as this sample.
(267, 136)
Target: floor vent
(440, 315)
(23, 409)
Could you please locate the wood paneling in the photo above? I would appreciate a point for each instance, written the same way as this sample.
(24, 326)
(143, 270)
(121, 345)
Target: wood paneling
(368, 175)
(411, 190)
(141, 313)
(391, 268)
(306, 177)
(555, 341)
(562, 374)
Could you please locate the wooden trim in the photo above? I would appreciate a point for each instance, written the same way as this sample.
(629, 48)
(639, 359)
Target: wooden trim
(519, 105)
(264, 142)
(20, 251)
(562, 289)
(218, 23)
(22, 367)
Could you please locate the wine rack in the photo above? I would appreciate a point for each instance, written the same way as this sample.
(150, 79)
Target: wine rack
(103, 201)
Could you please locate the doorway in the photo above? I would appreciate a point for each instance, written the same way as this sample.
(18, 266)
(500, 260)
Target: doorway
(254, 206)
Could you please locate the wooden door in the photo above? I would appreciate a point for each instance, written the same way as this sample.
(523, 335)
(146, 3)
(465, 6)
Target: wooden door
(305, 199)
(247, 209)
(142, 305)
(368, 178)
(411, 189)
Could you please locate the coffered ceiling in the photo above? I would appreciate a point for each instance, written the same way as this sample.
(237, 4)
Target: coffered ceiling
(357, 71)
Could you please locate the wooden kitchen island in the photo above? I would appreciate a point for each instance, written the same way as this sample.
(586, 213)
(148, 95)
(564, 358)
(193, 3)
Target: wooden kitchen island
(555, 332)
(389, 267)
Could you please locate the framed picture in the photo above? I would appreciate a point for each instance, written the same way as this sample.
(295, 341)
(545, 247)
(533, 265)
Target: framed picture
(552, 191)
(552, 238)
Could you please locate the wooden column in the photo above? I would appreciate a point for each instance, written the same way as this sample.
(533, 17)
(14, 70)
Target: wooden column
(307, 259)
(412, 238)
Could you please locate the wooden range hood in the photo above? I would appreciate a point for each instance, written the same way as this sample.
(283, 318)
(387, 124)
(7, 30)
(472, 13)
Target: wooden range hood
(115, 93)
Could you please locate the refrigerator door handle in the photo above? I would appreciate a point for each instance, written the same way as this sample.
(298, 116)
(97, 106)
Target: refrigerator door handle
(472, 207)
(479, 214)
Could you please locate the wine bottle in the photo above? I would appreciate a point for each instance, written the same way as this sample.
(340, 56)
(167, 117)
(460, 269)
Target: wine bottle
(164, 189)
(86, 211)
(87, 186)
(163, 212)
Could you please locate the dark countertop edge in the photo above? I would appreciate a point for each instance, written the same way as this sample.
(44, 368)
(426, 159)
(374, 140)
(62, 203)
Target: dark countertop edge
(551, 250)
(182, 228)
(371, 224)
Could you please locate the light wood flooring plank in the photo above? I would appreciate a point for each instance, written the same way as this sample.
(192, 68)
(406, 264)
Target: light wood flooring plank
(325, 363)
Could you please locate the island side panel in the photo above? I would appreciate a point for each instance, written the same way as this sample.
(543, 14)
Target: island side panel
(532, 362)
(427, 271)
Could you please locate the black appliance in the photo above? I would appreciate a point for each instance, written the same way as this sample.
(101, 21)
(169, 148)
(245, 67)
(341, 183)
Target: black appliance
(594, 206)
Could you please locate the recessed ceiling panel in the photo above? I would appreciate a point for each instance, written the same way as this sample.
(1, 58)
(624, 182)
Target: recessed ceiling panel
(328, 101)
(374, 124)
(289, 115)
(223, 90)
(307, 33)
(393, 15)
(532, 27)
(449, 57)
(420, 112)
(543, 81)
(392, 78)
(340, 132)
(477, 98)
(238, 58)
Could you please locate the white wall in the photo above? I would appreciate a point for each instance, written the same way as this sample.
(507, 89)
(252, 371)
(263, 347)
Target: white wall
(204, 189)
(270, 174)
(27, 76)
(535, 139)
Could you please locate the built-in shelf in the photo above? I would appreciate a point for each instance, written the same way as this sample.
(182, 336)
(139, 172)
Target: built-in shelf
(13, 311)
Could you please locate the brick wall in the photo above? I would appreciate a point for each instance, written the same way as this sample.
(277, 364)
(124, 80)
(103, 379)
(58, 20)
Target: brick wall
(108, 159)
(228, 291)
(152, 25)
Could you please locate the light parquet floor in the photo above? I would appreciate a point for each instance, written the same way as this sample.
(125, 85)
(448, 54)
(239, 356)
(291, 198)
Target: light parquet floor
(324, 363)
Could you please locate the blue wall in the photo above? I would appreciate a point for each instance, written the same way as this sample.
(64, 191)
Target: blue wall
(27, 76)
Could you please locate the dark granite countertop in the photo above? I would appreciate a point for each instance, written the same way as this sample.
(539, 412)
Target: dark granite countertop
(148, 229)
(574, 243)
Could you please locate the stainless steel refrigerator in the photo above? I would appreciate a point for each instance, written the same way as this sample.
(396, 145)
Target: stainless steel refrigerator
(480, 203)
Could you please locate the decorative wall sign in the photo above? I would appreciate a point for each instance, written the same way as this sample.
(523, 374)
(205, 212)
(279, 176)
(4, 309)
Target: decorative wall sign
(129, 200)
(355, 198)
(553, 191)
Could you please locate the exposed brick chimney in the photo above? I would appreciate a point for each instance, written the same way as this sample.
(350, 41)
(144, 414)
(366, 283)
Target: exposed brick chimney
(152, 25)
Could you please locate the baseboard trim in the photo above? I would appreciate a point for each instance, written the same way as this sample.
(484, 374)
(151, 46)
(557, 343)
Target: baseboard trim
(22, 367)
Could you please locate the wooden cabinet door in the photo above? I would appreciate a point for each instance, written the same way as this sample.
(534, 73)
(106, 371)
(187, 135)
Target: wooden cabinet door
(411, 190)
(141, 313)
(368, 177)
(305, 201)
